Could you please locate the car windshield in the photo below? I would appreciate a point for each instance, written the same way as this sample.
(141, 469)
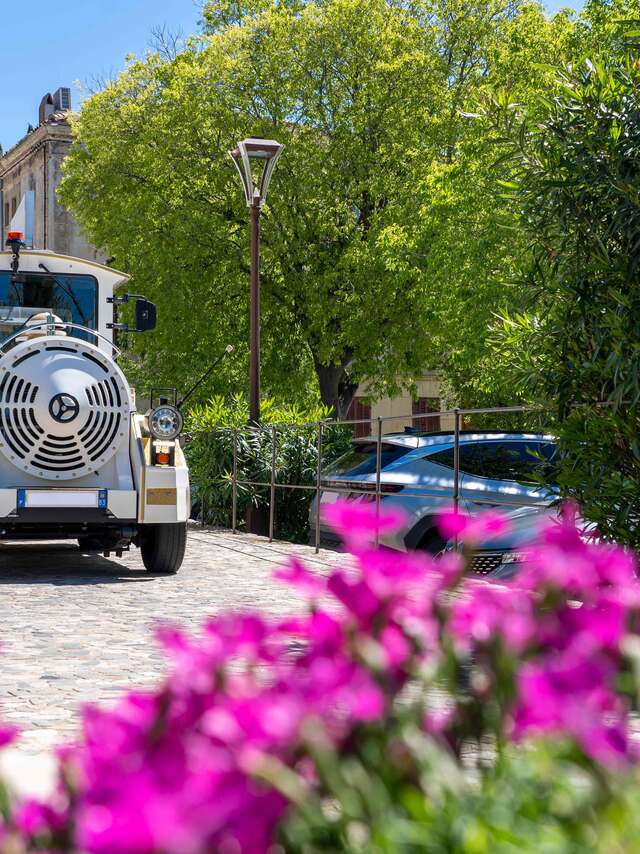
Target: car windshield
(361, 459)
(72, 298)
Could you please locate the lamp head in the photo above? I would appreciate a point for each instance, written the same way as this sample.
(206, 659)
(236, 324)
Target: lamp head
(264, 153)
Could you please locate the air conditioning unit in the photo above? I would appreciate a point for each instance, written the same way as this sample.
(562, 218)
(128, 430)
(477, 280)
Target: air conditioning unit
(62, 99)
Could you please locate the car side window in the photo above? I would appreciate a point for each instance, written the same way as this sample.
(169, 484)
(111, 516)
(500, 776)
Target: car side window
(524, 462)
(444, 458)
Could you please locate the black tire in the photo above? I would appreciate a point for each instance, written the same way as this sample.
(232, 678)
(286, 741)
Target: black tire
(432, 543)
(163, 547)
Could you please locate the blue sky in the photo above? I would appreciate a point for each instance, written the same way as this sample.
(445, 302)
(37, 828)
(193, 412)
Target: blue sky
(60, 43)
(63, 43)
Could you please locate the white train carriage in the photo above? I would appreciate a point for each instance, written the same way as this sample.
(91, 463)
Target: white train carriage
(77, 461)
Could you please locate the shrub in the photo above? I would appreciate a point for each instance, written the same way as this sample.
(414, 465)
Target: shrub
(210, 454)
(412, 708)
(574, 162)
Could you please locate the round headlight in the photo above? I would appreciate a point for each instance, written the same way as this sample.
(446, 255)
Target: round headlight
(165, 422)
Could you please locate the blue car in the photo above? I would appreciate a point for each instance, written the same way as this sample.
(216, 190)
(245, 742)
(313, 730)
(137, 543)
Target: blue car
(498, 470)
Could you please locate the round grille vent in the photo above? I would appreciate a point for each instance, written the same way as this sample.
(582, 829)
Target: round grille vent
(64, 408)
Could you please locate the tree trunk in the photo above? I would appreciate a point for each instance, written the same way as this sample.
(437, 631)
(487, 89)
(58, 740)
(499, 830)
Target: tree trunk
(336, 390)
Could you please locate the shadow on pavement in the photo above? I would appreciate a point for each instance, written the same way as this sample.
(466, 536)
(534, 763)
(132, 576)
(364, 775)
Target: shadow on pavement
(62, 564)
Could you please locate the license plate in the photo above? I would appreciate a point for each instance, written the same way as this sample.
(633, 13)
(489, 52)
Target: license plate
(62, 498)
(329, 497)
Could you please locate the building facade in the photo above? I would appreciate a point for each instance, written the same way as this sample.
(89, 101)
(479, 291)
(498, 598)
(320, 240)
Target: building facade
(402, 411)
(30, 173)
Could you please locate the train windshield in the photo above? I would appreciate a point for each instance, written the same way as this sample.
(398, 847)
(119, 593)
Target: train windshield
(73, 298)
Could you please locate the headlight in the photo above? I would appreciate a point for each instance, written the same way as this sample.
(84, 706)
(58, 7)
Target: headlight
(165, 422)
(512, 557)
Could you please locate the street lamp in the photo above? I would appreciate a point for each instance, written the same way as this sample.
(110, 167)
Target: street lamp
(264, 153)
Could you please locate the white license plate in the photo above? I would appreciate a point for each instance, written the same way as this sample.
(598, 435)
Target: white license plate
(329, 497)
(61, 498)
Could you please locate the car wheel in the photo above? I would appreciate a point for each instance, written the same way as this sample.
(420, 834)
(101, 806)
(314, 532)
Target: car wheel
(432, 543)
(163, 547)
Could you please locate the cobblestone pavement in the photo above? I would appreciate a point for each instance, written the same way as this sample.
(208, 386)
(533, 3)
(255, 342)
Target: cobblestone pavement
(77, 627)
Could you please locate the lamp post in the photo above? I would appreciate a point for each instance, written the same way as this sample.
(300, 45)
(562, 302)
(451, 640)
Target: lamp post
(263, 153)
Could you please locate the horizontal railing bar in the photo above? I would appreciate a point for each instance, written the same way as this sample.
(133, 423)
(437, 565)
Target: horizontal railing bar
(413, 416)
(372, 492)
(499, 409)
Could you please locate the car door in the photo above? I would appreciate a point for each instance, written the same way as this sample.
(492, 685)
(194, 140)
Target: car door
(504, 473)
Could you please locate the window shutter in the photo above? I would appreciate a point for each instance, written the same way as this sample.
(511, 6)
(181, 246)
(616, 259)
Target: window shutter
(358, 410)
(422, 406)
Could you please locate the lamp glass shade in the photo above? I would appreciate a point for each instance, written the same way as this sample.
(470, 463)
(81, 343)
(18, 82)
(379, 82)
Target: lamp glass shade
(264, 152)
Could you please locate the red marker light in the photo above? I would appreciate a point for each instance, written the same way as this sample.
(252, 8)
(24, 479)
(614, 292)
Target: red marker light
(15, 235)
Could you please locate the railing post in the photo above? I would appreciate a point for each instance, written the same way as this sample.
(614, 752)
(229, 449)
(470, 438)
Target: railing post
(318, 485)
(378, 474)
(456, 460)
(272, 497)
(234, 484)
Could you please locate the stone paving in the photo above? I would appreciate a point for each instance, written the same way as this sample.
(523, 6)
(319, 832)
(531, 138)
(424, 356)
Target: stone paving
(77, 627)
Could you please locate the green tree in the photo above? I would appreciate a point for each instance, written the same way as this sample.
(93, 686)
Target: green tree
(380, 221)
(575, 186)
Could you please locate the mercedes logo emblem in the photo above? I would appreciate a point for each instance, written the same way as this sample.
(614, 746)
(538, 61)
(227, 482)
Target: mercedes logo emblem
(64, 408)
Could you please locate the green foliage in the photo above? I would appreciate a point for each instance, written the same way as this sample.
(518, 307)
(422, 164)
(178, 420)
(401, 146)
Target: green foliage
(210, 455)
(384, 248)
(477, 249)
(575, 185)
(538, 799)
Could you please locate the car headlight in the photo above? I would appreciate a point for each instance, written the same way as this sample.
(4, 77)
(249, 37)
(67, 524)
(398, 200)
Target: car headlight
(512, 557)
(165, 422)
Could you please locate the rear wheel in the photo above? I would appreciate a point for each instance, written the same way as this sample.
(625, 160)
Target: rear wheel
(163, 547)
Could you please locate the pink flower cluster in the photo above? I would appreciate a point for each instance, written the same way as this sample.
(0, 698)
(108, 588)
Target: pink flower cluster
(565, 617)
(198, 765)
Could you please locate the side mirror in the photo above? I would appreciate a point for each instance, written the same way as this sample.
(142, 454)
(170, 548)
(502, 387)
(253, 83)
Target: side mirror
(146, 315)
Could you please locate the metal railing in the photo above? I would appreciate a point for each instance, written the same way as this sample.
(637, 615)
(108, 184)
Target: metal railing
(456, 417)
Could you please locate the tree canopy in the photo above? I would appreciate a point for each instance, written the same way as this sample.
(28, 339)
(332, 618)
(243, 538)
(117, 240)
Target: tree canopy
(386, 247)
(385, 251)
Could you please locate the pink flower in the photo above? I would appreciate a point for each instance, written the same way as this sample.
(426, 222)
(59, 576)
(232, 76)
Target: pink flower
(484, 527)
(356, 596)
(298, 576)
(179, 769)
(571, 695)
(8, 734)
(363, 697)
(34, 818)
(437, 720)
(396, 646)
(451, 523)
(357, 523)
(394, 574)
(484, 611)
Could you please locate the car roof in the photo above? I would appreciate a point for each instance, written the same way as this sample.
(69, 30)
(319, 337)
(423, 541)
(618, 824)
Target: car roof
(447, 437)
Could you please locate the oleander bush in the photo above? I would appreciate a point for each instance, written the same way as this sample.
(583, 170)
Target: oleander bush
(573, 159)
(409, 708)
(210, 454)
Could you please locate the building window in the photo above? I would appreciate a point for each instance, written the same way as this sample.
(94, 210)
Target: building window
(7, 215)
(358, 410)
(14, 206)
(421, 406)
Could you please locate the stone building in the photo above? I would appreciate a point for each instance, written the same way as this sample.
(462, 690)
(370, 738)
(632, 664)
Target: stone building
(30, 173)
